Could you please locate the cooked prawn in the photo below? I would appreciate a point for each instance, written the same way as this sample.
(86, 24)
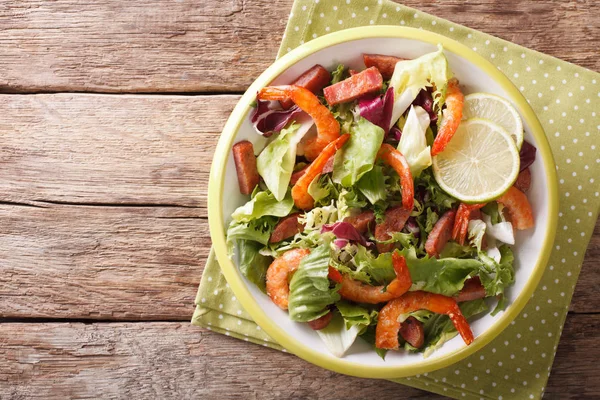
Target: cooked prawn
(302, 199)
(278, 273)
(451, 117)
(388, 325)
(328, 128)
(461, 221)
(396, 160)
(362, 293)
(518, 208)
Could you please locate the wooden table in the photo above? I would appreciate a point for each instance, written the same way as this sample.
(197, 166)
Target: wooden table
(109, 116)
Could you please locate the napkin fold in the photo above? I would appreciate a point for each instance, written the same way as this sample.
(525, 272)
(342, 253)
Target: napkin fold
(566, 99)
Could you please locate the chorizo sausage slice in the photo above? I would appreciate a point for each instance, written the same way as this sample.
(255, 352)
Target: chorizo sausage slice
(412, 331)
(440, 234)
(286, 228)
(361, 222)
(472, 290)
(394, 220)
(385, 64)
(367, 81)
(245, 166)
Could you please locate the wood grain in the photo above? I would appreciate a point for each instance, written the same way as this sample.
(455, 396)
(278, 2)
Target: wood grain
(206, 46)
(109, 149)
(174, 360)
(107, 263)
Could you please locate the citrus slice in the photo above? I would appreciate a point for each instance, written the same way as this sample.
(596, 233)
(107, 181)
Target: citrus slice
(479, 164)
(496, 109)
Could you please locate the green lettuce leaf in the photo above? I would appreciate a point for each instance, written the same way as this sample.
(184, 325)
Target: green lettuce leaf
(252, 264)
(439, 329)
(413, 143)
(310, 294)
(358, 156)
(349, 199)
(411, 76)
(276, 162)
(261, 204)
(355, 315)
(438, 199)
(455, 250)
(500, 275)
(339, 74)
(258, 230)
(444, 276)
(360, 264)
(372, 185)
(431, 217)
(369, 336)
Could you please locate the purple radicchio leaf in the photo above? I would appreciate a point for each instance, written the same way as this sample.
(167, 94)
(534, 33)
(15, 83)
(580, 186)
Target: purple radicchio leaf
(266, 121)
(377, 109)
(344, 230)
(341, 243)
(413, 227)
(527, 154)
(425, 100)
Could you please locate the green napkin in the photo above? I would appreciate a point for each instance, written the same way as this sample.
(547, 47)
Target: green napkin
(565, 97)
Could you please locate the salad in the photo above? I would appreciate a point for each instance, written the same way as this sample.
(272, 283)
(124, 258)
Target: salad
(384, 205)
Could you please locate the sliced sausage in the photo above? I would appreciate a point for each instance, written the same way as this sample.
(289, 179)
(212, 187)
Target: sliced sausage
(245, 166)
(472, 290)
(352, 88)
(321, 322)
(362, 222)
(411, 330)
(286, 228)
(440, 234)
(298, 174)
(314, 80)
(385, 64)
(524, 180)
(394, 220)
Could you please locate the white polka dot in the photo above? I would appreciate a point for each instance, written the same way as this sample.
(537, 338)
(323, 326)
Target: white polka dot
(516, 75)
(371, 22)
(433, 23)
(456, 372)
(340, 21)
(296, 29)
(210, 278)
(314, 35)
(327, 28)
(510, 62)
(499, 363)
(474, 48)
(216, 292)
(220, 316)
(303, 8)
(493, 55)
(353, 15)
(203, 300)
(321, 15)
(220, 306)
(451, 29)
(334, 8)
(402, 22)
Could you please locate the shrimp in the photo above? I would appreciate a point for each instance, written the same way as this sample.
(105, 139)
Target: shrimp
(388, 324)
(362, 293)
(328, 128)
(396, 160)
(302, 199)
(518, 207)
(461, 221)
(278, 273)
(450, 118)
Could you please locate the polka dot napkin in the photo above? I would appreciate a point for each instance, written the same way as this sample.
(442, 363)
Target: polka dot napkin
(566, 99)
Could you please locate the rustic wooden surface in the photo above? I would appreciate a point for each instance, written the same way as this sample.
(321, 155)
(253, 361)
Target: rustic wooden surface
(102, 196)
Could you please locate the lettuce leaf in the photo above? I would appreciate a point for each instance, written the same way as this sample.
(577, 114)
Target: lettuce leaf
(358, 156)
(355, 315)
(261, 204)
(413, 143)
(310, 294)
(360, 264)
(338, 336)
(411, 76)
(476, 230)
(258, 230)
(339, 74)
(500, 275)
(439, 329)
(276, 162)
(444, 276)
(252, 264)
(372, 185)
(349, 199)
(319, 216)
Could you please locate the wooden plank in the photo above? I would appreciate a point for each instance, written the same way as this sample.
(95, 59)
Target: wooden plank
(191, 46)
(109, 149)
(117, 263)
(126, 263)
(175, 360)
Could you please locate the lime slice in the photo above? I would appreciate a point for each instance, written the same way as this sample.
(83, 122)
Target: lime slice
(479, 164)
(496, 109)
